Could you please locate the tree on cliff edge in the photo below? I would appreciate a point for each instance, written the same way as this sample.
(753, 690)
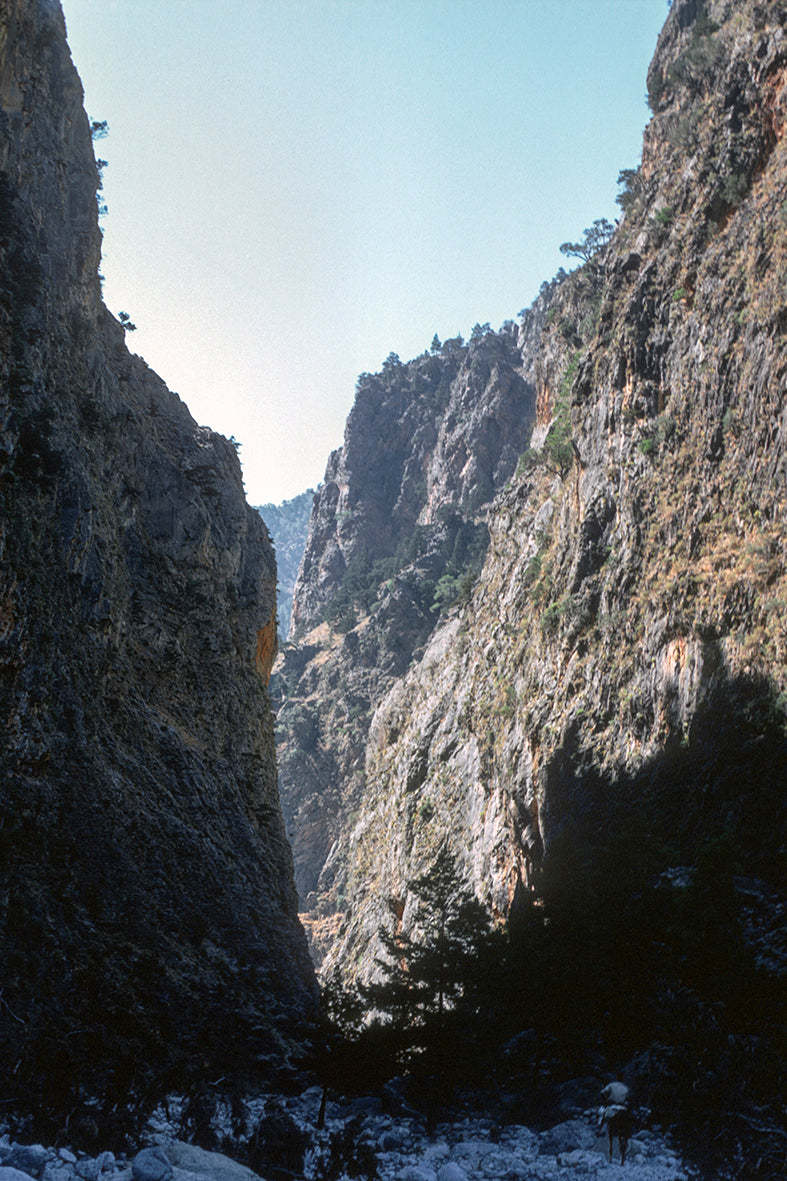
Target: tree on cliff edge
(594, 238)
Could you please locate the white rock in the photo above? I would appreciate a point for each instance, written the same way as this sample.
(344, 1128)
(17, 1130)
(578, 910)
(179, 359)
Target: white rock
(215, 1165)
(474, 1148)
(580, 1158)
(451, 1171)
(28, 1158)
(151, 1164)
(436, 1151)
(635, 1148)
(495, 1165)
(391, 1139)
(57, 1170)
(67, 1155)
(9, 1173)
(566, 1137)
(519, 1170)
(416, 1173)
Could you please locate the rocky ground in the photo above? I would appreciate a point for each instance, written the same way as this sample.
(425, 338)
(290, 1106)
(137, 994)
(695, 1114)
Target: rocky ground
(359, 1139)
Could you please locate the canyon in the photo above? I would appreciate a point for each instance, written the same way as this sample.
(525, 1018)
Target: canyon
(539, 626)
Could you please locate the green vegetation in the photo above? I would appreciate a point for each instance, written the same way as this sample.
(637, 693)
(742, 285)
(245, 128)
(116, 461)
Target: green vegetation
(432, 1002)
(594, 239)
(452, 552)
(734, 187)
(695, 67)
(99, 129)
(630, 184)
(661, 431)
(125, 320)
(430, 980)
(558, 449)
(533, 569)
(300, 724)
(557, 453)
(553, 616)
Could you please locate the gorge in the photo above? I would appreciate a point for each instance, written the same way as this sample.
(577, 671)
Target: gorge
(538, 633)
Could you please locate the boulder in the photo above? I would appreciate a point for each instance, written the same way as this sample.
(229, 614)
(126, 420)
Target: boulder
(151, 1164)
(416, 1173)
(207, 1164)
(451, 1172)
(28, 1158)
(8, 1173)
(572, 1134)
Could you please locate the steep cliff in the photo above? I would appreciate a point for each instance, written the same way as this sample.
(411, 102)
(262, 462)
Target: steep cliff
(622, 656)
(147, 908)
(397, 534)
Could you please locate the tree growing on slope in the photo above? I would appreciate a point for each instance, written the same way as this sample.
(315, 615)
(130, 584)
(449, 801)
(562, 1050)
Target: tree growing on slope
(435, 976)
(594, 238)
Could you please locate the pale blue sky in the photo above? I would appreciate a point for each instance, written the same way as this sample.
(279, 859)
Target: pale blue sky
(297, 188)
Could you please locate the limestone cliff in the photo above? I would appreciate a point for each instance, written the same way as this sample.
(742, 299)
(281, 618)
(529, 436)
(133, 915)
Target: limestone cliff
(397, 535)
(147, 908)
(621, 657)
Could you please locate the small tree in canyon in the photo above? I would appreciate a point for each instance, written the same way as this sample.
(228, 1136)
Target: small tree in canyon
(435, 975)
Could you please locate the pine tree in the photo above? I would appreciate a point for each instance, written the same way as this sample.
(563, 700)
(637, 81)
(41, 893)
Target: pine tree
(435, 975)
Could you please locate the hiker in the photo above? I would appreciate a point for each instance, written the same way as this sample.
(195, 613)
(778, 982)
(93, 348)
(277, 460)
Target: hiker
(617, 1117)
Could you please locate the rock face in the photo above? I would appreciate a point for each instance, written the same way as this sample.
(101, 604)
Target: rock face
(621, 656)
(398, 532)
(147, 907)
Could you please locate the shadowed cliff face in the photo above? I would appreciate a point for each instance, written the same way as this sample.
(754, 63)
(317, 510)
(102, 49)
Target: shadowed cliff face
(147, 907)
(632, 608)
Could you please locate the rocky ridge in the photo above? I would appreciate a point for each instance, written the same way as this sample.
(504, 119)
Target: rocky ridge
(398, 532)
(147, 908)
(598, 735)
